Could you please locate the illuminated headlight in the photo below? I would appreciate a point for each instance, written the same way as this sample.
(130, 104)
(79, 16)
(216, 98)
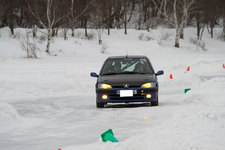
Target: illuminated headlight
(104, 97)
(104, 86)
(148, 96)
(148, 85)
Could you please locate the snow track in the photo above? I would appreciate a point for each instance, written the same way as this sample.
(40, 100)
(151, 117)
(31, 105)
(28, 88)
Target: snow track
(49, 103)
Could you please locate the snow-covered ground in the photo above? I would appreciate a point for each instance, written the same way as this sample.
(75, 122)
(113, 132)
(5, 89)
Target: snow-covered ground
(49, 103)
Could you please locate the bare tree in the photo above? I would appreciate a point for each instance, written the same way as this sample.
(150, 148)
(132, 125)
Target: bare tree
(99, 16)
(10, 12)
(29, 46)
(212, 11)
(110, 14)
(125, 3)
(181, 10)
(3, 7)
(147, 15)
(47, 16)
(224, 26)
(34, 31)
(128, 9)
(105, 9)
(78, 10)
(72, 16)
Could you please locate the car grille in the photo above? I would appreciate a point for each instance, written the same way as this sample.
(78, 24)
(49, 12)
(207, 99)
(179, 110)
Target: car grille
(117, 97)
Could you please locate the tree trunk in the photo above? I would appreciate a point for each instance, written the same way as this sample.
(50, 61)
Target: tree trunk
(34, 31)
(86, 34)
(198, 25)
(27, 45)
(109, 25)
(224, 27)
(125, 22)
(49, 40)
(211, 30)
(201, 33)
(85, 25)
(139, 23)
(100, 42)
(100, 33)
(198, 29)
(72, 16)
(11, 26)
(182, 32)
(4, 22)
(56, 31)
(177, 44)
(73, 34)
(21, 17)
(108, 31)
(53, 32)
(65, 30)
(125, 16)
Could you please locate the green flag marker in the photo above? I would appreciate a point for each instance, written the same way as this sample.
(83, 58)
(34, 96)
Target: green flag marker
(108, 136)
(186, 90)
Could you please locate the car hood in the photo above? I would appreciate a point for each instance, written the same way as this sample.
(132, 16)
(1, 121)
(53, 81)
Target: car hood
(130, 79)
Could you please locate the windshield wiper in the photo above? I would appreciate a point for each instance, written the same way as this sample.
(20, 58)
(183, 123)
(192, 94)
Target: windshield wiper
(112, 73)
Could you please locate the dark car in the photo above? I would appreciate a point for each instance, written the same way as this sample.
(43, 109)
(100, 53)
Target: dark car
(125, 79)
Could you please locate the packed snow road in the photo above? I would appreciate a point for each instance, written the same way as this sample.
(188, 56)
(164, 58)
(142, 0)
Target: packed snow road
(62, 121)
(58, 122)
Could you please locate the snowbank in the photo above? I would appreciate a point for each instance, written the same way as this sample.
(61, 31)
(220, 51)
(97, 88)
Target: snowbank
(9, 117)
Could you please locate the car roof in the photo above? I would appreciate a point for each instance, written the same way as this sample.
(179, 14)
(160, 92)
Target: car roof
(128, 56)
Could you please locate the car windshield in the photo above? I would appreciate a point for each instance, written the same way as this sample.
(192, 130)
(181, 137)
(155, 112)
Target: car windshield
(127, 66)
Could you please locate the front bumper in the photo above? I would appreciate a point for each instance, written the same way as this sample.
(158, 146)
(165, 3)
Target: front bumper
(139, 95)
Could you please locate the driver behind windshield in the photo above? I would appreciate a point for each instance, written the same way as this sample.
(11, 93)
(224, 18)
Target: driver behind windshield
(117, 67)
(139, 67)
(128, 66)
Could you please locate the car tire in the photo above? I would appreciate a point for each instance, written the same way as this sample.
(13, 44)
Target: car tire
(99, 105)
(155, 103)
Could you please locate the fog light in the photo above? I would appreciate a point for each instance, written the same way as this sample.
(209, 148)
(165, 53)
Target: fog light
(104, 97)
(148, 95)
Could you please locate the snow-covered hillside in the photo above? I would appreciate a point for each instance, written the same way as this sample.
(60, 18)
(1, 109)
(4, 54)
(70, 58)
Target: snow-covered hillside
(49, 103)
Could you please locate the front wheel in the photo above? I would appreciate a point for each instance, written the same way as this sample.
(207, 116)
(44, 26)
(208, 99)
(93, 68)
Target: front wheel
(155, 103)
(99, 105)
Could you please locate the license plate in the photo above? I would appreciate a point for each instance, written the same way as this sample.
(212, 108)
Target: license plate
(126, 93)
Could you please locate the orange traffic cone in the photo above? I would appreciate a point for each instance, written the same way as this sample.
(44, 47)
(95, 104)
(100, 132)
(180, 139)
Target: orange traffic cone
(188, 68)
(224, 66)
(171, 76)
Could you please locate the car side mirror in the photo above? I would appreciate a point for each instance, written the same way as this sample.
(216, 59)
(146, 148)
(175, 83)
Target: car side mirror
(93, 74)
(161, 72)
